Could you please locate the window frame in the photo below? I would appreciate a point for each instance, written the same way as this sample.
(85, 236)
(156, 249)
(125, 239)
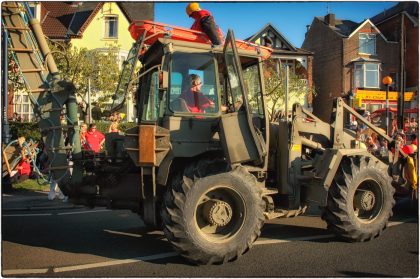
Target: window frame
(367, 38)
(364, 85)
(18, 102)
(106, 32)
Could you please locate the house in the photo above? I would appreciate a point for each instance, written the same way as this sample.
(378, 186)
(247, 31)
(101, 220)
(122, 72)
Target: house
(298, 60)
(402, 21)
(91, 25)
(350, 60)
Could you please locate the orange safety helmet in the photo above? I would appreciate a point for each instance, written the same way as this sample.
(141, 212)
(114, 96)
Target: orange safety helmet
(192, 7)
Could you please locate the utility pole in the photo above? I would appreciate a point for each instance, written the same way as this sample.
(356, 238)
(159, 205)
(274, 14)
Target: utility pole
(400, 104)
(286, 101)
(5, 80)
(387, 81)
(89, 104)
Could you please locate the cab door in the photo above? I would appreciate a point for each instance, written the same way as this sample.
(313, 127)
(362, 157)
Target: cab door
(239, 139)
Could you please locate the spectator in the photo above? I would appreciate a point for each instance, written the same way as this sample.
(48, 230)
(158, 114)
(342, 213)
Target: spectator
(413, 125)
(376, 140)
(394, 127)
(94, 139)
(363, 126)
(406, 125)
(55, 192)
(370, 145)
(23, 170)
(113, 128)
(83, 131)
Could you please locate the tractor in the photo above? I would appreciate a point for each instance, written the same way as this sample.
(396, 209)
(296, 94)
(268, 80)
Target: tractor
(210, 178)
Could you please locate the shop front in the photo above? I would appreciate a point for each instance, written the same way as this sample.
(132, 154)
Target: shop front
(370, 100)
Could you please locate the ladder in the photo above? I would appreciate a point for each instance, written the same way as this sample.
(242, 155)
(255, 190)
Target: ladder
(24, 49)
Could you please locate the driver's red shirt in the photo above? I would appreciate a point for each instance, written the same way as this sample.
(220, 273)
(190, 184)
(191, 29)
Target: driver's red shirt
(196, 101)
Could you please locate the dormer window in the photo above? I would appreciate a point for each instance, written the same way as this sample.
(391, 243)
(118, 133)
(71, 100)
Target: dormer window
(367, 43)
(111, 27)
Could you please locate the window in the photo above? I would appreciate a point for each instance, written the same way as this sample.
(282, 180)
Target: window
(366, 75)
(111, 27)
(184, 67)
(253, 85)
(367, 43)
(152, 102)
(23, 106)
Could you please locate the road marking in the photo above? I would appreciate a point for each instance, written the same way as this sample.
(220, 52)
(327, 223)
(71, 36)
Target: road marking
(51, 214)
(118, 262)
(24, 271)
(396, 223)
(124, 233)
(25, 215)
(315, 237)
(83, 212)
(303, 238)
(166, 255)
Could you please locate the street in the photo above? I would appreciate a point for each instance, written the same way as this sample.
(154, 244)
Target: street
(82, 242)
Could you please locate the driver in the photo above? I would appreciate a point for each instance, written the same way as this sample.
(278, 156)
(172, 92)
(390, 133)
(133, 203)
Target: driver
(194, 98)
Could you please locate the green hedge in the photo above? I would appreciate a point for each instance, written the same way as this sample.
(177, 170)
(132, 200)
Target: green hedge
(30, 130)
(104, 126)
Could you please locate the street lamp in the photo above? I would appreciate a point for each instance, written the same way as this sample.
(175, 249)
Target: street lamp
(387, 81)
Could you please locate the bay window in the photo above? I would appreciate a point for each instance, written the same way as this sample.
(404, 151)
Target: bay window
(366, 75)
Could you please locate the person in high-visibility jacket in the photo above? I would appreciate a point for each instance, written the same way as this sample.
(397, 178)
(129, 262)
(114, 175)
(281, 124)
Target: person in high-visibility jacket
(204, 22)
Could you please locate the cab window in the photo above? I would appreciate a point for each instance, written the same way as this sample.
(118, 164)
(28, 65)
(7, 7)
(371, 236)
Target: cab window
(192, 86)
(151, 101)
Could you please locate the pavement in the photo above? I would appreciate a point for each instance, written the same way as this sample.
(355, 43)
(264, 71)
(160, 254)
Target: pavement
(24, 200)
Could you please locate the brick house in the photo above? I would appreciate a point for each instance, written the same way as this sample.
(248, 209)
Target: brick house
(389, 22)
(299, 60)
(350, 60)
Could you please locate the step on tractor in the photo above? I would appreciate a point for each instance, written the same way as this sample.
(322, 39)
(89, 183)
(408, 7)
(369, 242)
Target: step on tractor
(210, 176)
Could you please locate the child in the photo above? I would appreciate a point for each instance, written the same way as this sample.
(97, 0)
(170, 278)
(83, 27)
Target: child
(23, 170)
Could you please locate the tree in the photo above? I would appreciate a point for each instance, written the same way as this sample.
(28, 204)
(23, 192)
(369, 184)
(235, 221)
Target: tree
(80, 64)
(275, 87)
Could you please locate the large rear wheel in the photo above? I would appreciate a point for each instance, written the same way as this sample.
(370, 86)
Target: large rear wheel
(213, 218)
(360, 199)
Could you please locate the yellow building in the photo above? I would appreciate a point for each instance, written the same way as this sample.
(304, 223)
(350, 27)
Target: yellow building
(91, 25)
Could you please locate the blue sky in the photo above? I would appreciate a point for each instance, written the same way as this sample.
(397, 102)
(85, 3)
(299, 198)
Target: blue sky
(290, 18)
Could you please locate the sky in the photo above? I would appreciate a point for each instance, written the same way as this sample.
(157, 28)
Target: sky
(290, 18)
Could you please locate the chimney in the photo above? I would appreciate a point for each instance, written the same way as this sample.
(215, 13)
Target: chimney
(330, 19)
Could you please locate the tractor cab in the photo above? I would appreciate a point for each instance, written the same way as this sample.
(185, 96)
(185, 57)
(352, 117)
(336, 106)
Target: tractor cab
(210, 99)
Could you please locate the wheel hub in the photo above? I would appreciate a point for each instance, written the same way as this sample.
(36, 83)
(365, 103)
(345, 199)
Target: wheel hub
(366, 200)
(219, 213)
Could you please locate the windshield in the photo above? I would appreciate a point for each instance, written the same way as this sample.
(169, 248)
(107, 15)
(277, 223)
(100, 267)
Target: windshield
(193, 83)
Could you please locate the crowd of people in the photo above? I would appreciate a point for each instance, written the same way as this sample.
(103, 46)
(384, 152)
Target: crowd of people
(91, 140)
(405, 138)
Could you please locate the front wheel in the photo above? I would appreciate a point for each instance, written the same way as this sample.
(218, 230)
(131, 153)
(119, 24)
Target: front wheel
(360, 199)
(215, 218)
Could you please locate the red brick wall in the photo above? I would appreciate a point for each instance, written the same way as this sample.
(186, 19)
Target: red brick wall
(392, 30)
(386, 52)
(327, 66)
(412, 54)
